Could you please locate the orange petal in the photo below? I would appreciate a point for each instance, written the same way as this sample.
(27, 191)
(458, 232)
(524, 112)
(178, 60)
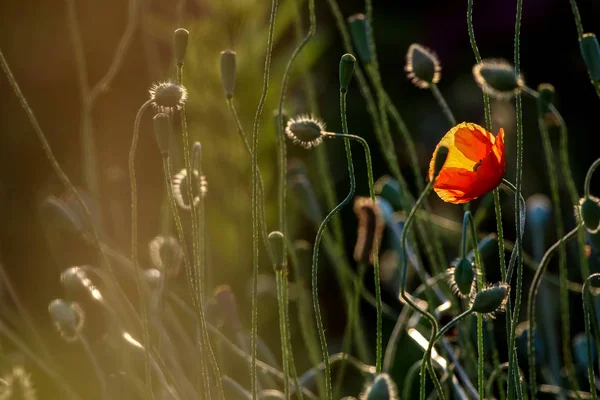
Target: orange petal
(473, 141)
(452, 184)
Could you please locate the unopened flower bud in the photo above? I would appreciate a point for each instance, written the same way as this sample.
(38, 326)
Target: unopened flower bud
(180, 43)
(382, 388)
(588, 212)
(359, 30)
(277, 246)
(163, 129)
(347, 63)
(228, 72)
(462, 275)
(590, 51)
(370, 230)
(440, 159)
(422, 66)
(497, 78)
(491, 300)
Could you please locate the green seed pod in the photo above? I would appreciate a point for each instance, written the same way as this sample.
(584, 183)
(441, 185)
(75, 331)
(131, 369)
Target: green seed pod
(228, 72)
(490, 300)
(497, 78)
(546, 97)
(359, 30)
(462, 277)
(346, 70)
(422, 66)
(180, 43)
(382, 388)
(487, 246)
(277, 246)
(440, 159)
(590, 51)
(163, 129)
(589, 212)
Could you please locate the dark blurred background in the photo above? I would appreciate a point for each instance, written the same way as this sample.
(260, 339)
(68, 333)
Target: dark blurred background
(34, 37)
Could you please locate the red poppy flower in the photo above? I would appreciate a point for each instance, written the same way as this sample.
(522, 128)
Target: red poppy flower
(475, 163)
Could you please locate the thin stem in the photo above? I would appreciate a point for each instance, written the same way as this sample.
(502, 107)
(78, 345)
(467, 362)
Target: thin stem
(97, 242)
(513, 363)
(586, 313)
(535, 284)
(562, 254)
(134, 249)
(577, 17)
(379, 345)
(407, 298)
(353, 313)
(588, 177)
(283, 333)
(261, 186)
(439, 97)
(305, 319)
(450, 324)
(480, 276)
(315, 261)
(255, 249)
(572, 189)
(290, 349)
(281, 137)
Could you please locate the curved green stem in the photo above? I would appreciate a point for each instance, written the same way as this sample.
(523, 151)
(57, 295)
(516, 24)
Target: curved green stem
(315, 261)
(513, 363)
(572, 189)
(586, 313)
(562, 254)
(443, 104)
(353, 313)
(378, 305)
(134, 250)
(407, 298)
(535, 284)
(588, 177)
(255, 249)
(577, 17)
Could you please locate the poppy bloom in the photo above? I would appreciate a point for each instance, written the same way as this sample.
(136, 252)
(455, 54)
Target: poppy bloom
(475, 163)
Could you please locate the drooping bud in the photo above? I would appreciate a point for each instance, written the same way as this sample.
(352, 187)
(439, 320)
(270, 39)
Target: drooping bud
(588, 212)
(491, 300)
(462, 276)
(440, 159)
(277, 246)
(305, 131)
(497, 78)
(166, 254)
(382, 388)
(180, 43)
(68, 318)
(163, 129)
(422, 66)
(370, 230)
(346, 70)
(590, 51)
(228, 72)
(359, 30)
